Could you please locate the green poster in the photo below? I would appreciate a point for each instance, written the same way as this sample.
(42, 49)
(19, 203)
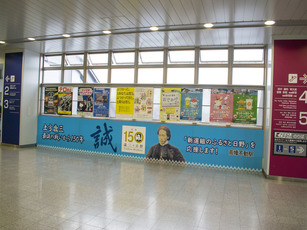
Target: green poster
(245, 109)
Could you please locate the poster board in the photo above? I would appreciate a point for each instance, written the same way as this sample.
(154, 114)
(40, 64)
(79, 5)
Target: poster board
(101, 102)
(85, 101)
(65, 100)
(170, 104)
(245, 106)
(143, 103)
(125, 102)
(191, 104)
(51, 100)
(221, 105)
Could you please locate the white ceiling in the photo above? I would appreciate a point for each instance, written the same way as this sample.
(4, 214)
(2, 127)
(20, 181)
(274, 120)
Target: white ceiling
(238, 22)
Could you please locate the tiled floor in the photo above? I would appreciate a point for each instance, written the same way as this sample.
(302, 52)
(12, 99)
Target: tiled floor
(48, 189)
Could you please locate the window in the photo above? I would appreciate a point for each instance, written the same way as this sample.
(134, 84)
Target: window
(180, 76)
(213, 68)
(213, 56)
(122, 75)
(74, 60)
(206, 105)
(123, 58)
(97, 76)
(213, 76)
(248, 56)
(74, 101)
(52, 76)
(181, 57)
(248, 76)
(97, 59)
(156, 104)
(73, 76)
(53, 61)
(151, 58)
(150, 76)
(112, 109)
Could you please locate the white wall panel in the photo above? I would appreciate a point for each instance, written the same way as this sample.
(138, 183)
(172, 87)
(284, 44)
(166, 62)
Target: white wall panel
(29, 98)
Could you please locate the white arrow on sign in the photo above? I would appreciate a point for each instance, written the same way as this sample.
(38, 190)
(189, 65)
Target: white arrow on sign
(304, 78)
(300, 149)
(7, 78)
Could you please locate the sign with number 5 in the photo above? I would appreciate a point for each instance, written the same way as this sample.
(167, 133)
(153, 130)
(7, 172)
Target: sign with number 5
(303, 118)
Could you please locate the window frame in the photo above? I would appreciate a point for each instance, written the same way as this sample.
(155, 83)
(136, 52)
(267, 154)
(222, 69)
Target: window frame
(230, 65)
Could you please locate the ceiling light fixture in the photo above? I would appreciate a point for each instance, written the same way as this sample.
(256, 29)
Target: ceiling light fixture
(154, 28)
(106, 32)
(208, 25)
(2, 42)
(31, 39)
(269, 22)
(66, 35)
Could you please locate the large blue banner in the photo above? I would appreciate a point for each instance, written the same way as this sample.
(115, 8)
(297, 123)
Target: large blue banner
(11, 98)
(202, 145)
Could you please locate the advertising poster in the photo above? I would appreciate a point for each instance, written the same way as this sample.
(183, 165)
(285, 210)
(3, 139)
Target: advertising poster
(65, 100)
(85, 101)
(51, 100)
(125, 102)
(191, 104)
(245, 107)
(143, 103)
(198, 145)
(133, 139)
(221, 106)
(101, 102)
(170, 104)
(289, 117)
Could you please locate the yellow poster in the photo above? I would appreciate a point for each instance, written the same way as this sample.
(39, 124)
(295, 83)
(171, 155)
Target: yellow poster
(170, 104)
(65, 100)
(125, 101)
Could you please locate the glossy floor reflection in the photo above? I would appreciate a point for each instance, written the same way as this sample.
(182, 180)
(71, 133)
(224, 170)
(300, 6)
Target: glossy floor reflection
(49, 189)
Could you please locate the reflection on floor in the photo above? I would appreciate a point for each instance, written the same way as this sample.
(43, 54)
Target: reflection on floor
(49, 189)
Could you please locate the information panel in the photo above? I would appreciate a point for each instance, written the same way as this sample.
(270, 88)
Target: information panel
(290, 104)
(291, 144)
(289, 109)
(11, 98)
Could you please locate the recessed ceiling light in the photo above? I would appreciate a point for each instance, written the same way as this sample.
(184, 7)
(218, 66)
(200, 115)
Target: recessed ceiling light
(66, 35)
(154, 28)
(208, 25)
(106, 32)
(31, 39)
(2, 42)
(269, 23)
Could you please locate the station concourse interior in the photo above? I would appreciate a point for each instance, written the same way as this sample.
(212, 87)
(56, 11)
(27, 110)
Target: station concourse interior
(229, 173)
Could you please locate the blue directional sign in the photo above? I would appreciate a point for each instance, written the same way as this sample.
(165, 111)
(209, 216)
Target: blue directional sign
(292, 149)
(11, 98)
(292, 144)
(279, 148)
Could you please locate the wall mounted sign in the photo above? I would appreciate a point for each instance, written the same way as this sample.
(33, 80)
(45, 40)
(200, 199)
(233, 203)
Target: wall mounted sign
(11, 98)
(289, 106)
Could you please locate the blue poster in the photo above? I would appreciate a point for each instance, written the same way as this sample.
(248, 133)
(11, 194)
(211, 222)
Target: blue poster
(201, 145)
(11, 98)
(191, 104)
(101, 102)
